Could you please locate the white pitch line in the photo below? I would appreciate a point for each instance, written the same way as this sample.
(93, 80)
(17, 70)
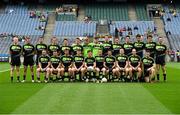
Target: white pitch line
(7, 70)
(4, 70)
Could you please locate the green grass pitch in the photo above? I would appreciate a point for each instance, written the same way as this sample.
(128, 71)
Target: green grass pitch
(91, 98)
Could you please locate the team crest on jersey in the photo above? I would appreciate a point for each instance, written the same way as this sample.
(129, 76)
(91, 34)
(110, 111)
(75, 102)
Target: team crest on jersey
(28, 47)
(44, 60)
(121, 58)
(41, 47)
(134, 59)
(147, 61)
(160, 48)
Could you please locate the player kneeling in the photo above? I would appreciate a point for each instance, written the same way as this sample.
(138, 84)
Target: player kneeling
(100, 69)
(79, 64)
(134, 63)
(90, 66)
(55, 66)
(44, 64)
(67, 65)
(121, 65)
(148, 66)
(110, 65)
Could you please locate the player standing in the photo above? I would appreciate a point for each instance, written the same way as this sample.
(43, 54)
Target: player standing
(86, 46)
(116, 46)
(128, 46)
(15, 54)
(150, 46)
(39, 48)
(96, 46)
(77, 46)
(66, 46)
(106, 46)
(28, 53)
(139, 45)
(161, 50)
(53, 46)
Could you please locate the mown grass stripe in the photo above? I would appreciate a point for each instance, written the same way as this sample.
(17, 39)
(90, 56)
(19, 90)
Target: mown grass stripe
(92, 98)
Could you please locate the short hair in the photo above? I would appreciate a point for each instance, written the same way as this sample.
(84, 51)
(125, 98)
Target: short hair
(127, 36)
(149, 36)
(66, 49)
(96, 38)
(27, 37)
(110, 50)
(65, 39)
(138, 35)
(160, 37)
(147, 51)
(89, 51)
(78, 50)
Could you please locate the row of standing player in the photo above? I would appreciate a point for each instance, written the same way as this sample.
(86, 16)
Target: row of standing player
(28, 51)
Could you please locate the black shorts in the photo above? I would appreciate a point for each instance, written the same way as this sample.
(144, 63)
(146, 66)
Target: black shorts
(160, 60)
(29, 62)
(15, 61)
(100, 67)
(109, 68)
(37, 59)
(152, 55)
(66, 69)
(78, 66)
(146, 72)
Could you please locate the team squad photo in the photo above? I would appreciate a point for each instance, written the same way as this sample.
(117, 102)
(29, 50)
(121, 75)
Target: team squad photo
(90, 57)
(90, 61)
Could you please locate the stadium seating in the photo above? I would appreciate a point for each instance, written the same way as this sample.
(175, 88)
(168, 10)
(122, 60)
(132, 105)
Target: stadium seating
(16, 21)
(16, 9)
(66, 17)
(6, 42)
(143, 26)
(142, 13)
(174, 41)
(74, 28)
(20, 24)
(172, 28)
(109, 12)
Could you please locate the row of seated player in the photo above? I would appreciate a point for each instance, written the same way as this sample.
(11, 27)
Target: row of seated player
(109, 63)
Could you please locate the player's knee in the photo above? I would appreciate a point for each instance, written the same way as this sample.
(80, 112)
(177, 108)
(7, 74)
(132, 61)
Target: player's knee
(12, 69)
(126, 70)
(114, 70)
(130, 69)
(62, 69)
(97, 69)
(59, 70)
(70, 70)
(48, 70)
(103, 69)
